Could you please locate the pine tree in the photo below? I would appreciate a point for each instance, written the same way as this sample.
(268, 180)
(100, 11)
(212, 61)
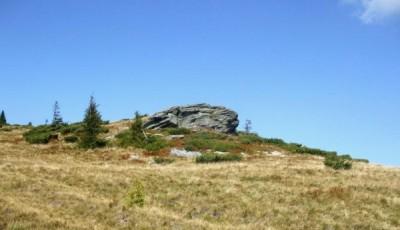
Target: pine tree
(137, 132)
(57, 119)
(3, 120)
(91, 126)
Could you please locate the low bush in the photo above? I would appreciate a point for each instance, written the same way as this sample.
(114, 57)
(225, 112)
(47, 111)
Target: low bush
(150, 144)
(213, 141)
(124, 139)
(154, 144)
(298, 148)
(214, 157)
(275, 141)
(72, 128)
(71, 139)
(40, 135)
(338, 162)
(250, 138)
(98, 143)
(163, 160)
(77, 129)
(177, 131)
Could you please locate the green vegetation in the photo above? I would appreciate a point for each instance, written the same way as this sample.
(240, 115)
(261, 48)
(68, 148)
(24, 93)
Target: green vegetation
(92, 127)
(150, 144)
(136, 195)
(298, 148)
(250, 138)
(137, 137)
(163, 160)
(137, 134)
(338, 162)
(215, 157)
(71, 139)
(124, 139)
(41, 134)
(210, 141)
(3, 120)
(154, 144)
(177, 131)
(76, 128)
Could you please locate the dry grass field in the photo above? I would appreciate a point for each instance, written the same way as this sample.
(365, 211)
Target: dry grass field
(58, 186)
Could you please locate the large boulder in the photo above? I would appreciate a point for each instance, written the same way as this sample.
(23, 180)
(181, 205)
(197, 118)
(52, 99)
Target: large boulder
(195, 117)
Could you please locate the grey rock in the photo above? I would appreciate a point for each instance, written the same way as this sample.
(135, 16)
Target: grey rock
(196, 117)
(184, 153)
(174, 137)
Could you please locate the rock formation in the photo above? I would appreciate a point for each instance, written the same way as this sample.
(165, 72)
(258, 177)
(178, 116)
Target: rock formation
(195, 117)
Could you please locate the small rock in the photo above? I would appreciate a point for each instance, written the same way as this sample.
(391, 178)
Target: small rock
(277, 154)
(174, 137)
(134, 158)
(184, 153)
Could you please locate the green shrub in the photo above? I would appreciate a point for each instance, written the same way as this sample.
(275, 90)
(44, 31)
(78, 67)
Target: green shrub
(298, 148)
(214, 157)
(154, 144)
(72, 128)
(38, 138)
(275, 141)
(177, 131)
(250, 138)
(338, 162)
(163, 160)
(40, 135)
(212, 141)
(136, 195)
(71, 139)
(151, 144)
(124, 139)
(135, 136)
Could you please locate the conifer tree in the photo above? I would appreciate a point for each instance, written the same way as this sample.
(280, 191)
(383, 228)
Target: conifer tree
(91, 126)
(137, 132)
(3, 120)
(57, 119)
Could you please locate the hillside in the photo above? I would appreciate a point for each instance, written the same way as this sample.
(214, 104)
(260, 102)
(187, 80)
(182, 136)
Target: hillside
(60, 186)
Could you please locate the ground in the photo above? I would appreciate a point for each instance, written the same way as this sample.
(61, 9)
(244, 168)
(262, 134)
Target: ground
(59, 186)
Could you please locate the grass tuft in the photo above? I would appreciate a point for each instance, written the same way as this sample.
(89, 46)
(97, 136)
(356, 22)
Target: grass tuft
(136, 195)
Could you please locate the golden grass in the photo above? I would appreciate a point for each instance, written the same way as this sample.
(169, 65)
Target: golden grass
(60, 187)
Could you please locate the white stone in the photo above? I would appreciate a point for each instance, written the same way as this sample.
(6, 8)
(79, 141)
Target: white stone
(184, 153)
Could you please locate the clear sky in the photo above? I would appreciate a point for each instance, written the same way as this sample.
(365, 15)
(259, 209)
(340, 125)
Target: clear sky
(322, 73)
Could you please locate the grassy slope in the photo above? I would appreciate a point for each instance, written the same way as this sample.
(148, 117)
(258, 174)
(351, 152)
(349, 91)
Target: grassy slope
(59, 187)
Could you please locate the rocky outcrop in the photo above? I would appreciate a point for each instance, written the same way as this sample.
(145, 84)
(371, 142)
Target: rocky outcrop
(195, 117)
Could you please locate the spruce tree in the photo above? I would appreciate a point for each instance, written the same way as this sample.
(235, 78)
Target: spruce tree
(3, 120)
(137, 132)
(57, 119)
(91, 126)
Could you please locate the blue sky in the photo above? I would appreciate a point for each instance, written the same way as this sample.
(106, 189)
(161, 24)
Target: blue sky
(322, 73)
